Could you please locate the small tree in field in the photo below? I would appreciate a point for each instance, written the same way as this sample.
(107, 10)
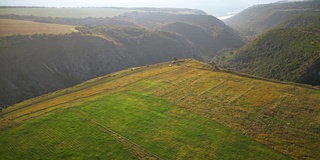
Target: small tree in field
(214, 66)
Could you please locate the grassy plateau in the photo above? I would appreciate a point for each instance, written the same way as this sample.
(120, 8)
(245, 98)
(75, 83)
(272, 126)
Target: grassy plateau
(12, 27)
(184, 111)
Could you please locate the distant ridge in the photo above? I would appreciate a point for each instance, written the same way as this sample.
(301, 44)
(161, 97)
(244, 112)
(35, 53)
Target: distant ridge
(260, 18)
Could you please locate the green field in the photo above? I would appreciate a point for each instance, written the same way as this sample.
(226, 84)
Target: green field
(153, 124)
(12, 27)
(64, 12)
(159, 112)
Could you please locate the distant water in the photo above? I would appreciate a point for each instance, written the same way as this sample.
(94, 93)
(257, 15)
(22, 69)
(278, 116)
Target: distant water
(228, 15)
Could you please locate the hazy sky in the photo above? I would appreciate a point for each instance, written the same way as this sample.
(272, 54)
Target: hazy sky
(214, 7)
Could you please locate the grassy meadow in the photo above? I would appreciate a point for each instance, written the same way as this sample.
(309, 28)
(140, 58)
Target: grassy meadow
(12, 27)
(184, 111)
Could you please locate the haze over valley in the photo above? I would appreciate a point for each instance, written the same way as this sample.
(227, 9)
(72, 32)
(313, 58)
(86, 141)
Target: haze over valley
(217, 8)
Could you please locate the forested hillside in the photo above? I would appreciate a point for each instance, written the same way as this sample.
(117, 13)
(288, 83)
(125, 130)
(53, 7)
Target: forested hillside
(218, 35)
(261, 18)
(207, 42)
(39, 64)
(192, 27)
(281, 54)
(301, 21)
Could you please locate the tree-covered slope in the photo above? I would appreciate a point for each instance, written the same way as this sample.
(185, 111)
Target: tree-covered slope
(261, 18)
(204, 40)
(217, 34)
(181, 111)
(39, 64)
(301, 21)
(220, 34)
(281, 54)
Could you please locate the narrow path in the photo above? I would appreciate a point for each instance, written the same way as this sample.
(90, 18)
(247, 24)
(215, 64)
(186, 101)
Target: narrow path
(134, 148)
(244, 93)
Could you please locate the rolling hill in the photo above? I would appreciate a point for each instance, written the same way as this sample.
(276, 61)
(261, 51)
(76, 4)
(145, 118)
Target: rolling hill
(207, 42)
(38, 64)
(207, 33)
(162, 111)
(220, 35)
(261, 18)
(281, 54)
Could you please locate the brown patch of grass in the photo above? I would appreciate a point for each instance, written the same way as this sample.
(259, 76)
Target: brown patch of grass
(11, 27)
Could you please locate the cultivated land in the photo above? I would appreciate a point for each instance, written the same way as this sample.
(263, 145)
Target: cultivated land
(12, 27)
(185, 111)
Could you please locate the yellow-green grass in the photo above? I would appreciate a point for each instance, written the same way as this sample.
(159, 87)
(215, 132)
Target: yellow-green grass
(65, 12)
(148, 123)
(62, 135)
(12, 27)
(167, 111)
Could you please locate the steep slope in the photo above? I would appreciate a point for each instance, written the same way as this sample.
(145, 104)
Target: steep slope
(38, 64)
(156, 19)
(281, 54)
(301, 21)
(218, 35)
(182, 111)
(203, 39)
(261, 18)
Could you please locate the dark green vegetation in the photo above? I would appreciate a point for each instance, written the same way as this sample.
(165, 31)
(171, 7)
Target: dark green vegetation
(281, 54)
(185, 111)
(261, 18)
(288, 46)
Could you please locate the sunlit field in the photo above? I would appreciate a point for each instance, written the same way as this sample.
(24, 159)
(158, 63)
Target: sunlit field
(12, 27)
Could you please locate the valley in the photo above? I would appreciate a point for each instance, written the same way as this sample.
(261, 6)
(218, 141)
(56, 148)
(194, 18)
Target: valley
(160, 83)
(100, 46)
